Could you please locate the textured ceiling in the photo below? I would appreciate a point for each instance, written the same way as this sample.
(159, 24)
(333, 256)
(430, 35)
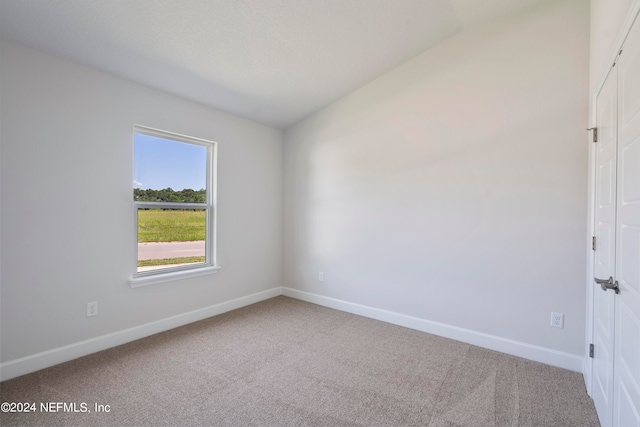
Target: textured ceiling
(272, 61)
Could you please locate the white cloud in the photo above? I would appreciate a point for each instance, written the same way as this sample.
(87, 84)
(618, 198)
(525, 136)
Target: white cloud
(137, 183)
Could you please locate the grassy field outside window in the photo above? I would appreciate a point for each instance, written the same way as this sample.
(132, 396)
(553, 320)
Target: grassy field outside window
(171, 225)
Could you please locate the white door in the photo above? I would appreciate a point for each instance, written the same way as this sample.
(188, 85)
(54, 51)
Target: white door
(604, 263)
(616, 316)
(626, 377)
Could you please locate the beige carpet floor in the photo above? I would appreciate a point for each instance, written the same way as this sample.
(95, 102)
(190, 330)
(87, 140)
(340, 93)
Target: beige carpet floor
(284, 362)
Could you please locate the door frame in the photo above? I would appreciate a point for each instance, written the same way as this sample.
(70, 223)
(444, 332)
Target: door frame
(587, 366)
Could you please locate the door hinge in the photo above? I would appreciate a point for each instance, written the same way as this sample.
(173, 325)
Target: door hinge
(595, 133)
(615, 61)
(593, 243)
(591, 349)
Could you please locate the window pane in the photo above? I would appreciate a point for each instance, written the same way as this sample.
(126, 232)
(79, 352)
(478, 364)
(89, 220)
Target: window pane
(170, 237)
(169, 171)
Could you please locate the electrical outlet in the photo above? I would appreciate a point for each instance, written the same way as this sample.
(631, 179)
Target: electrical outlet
(557, 320)
(321, 276)
(92, 308)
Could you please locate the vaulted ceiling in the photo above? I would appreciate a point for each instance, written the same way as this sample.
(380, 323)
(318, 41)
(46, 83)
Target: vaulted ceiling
(271, 61)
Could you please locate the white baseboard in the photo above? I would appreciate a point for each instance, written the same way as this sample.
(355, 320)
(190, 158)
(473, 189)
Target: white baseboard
(28, 364)
(492, 342)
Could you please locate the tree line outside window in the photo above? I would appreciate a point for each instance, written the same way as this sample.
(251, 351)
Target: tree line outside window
(169, 195)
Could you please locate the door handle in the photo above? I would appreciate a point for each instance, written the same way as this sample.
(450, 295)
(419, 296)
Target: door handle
(608, 284)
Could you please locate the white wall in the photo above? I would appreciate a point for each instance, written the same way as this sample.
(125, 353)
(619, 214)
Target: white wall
(67, 232)
(453, 188)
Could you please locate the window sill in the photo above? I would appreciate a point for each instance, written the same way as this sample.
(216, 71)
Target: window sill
(170, 276)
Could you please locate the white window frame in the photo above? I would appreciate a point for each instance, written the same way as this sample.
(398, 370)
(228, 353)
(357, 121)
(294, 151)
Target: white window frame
(151, 277)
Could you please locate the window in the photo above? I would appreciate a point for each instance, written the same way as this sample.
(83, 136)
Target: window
(173, 197)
